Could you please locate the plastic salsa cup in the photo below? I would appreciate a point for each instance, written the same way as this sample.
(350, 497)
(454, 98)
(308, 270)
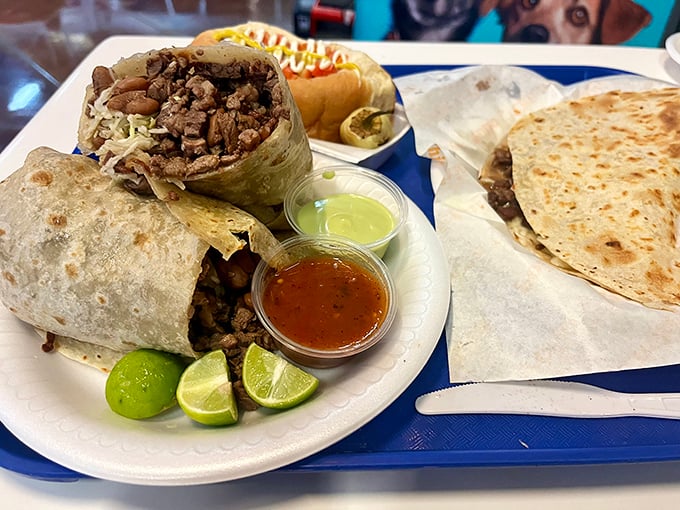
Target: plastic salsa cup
(348, 201)
(326, 299)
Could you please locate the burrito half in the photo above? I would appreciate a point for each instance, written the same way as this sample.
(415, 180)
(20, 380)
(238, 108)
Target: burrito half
(102, 271)
(219, 120)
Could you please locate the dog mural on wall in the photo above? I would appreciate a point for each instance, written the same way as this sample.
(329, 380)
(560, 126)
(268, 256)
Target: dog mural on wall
(531, 21)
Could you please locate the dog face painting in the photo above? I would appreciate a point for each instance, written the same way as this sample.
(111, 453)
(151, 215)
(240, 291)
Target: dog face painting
(568, 21)
(546, 21)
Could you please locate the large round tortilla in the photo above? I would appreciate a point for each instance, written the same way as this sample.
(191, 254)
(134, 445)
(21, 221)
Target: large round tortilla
(598, 180)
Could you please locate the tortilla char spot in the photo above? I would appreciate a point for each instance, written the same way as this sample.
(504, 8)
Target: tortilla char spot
(57, 220)
(482, 85)
(140, 239)
(59, 319)
(656, 276)
(633, 177)
(71, 270)
(634, 213)
(42, 178)
(606, 101)
(673, 150)
(657, 196)
(670, 116)
(9, 277)
(102, 299)
(2, 231)
(611, 251)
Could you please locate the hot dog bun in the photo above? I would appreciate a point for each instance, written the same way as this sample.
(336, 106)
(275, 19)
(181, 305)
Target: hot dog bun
(325, 100)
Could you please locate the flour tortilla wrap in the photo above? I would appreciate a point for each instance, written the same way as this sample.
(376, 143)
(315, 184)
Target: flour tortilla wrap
(598, 181)
(103, 269)
(225, 125)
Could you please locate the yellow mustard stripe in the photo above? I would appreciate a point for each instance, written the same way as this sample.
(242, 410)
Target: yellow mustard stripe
(308, 57)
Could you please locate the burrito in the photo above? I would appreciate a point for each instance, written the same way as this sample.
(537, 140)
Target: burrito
(218, 120)
(592, 186)
(101, 271)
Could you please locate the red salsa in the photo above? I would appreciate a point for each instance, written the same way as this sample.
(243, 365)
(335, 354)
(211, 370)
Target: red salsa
(325, 303)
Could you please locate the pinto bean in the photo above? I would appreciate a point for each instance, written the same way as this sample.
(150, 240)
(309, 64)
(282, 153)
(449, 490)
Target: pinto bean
(120, 101)
(248, 300)
(232, 274)
(101, 79)
(143, 106)
(130, 83)
(134, 101)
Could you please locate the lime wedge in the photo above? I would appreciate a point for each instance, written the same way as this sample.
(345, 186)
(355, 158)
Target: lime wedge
(273, 382)
(204, 392)
(142, 383)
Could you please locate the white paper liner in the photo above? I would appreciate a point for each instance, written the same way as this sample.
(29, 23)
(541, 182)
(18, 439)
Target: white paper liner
(513, 316)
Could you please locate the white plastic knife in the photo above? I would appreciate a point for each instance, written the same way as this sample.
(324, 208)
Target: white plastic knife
(547, 398)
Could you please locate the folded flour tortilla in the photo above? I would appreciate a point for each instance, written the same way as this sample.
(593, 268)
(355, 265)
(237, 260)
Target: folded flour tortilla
(224, 124)
(105, 270)
(598, 181)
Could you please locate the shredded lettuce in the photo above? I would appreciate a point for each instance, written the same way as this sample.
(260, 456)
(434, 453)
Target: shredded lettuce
(124, 133)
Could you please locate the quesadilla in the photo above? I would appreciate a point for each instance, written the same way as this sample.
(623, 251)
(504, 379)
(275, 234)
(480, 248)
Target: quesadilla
(101, 271)
(592, 186)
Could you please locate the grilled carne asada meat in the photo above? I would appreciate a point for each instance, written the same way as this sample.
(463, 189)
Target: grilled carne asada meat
(203, 115)
(223, 315)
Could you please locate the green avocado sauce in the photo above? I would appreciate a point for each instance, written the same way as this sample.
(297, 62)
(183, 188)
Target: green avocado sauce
(359, 218)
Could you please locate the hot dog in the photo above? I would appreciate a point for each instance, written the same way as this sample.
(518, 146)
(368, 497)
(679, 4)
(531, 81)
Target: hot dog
(328, 80)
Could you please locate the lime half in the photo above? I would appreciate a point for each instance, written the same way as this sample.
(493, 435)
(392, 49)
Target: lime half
(273, 382)
(143, 382)
(205, 393)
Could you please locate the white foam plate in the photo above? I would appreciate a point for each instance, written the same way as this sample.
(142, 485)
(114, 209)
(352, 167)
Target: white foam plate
(57, 406)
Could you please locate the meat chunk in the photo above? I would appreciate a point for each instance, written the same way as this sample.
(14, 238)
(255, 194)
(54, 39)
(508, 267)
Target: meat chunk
(498, 183)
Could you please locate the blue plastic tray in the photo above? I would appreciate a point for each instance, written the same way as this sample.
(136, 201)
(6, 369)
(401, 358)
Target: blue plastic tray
(401, 438)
